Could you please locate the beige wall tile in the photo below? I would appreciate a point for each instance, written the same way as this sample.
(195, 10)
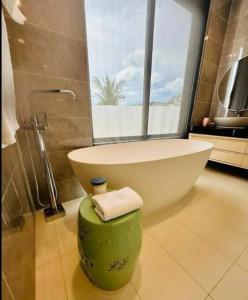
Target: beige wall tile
(175, 238)
(231, 30)
(61, 165)
(17, 228)
(12, 207)
(67, 133)
(9, 163)
(222, 7)
(205, 92)
(78, 286)
(21, 189)
(18, 246)
(36, 50)
(61, 169)
(244, 7)
(18, 258)
(52, 104)
(56, 15)
(242, 31)
(235, 42)
(212, 51)
(209, 71)
(217, 28)
(69, 189)
(50, 282)
(201, 111)
(232, 286)
(236, 9)
(62, 133)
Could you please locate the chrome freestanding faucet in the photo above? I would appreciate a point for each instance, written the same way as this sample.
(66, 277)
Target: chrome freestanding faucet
(54, 209)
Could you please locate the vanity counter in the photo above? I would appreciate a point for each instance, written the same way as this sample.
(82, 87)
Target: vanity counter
(221, 131)
(227, 150)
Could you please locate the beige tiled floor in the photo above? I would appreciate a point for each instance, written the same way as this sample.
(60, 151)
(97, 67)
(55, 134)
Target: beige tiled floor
(195, 250)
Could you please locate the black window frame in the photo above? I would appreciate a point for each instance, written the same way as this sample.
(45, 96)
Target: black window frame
(187, 102)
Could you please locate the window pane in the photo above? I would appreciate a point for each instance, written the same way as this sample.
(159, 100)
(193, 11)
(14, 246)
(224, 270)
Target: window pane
(173, 40)
(116, 41)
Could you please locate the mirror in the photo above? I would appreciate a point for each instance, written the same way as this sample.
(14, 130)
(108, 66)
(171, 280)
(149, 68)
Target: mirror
(233, 88)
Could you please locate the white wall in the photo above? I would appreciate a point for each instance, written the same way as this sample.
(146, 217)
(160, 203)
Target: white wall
(117, 121)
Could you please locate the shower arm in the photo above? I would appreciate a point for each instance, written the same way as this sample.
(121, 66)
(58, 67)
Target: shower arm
(55, 92)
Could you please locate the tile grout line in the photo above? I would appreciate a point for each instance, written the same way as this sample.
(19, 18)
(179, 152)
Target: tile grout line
(56, 32)
(8, 287)
(177, 262)
(224, 224)
(53, 260)
(57, 237)
(136, 291)
(51, 76)
(63, 275)
(38, 228)
(232, 194)
(46, 263)
(241, 267)
(222, 18)
(206, 241)
(68, 253)
(7, 186)
(234, 263)
(213, 39)
(50, 30)
(67, 116)
(217, 220)
(60, 259)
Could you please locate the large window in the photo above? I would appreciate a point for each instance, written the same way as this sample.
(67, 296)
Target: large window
(143, 56)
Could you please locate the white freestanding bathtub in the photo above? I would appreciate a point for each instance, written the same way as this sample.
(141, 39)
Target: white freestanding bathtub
(161, 171)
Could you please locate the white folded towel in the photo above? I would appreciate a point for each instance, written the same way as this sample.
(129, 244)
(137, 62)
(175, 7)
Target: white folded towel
(116, 203)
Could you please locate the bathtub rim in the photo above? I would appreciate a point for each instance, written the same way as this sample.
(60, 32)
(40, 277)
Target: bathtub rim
(72, 158)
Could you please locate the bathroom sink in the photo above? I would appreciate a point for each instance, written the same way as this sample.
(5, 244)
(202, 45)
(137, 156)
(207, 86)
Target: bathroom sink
(231, 121)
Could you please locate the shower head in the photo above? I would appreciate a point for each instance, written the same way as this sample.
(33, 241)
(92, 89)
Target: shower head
(56, 92)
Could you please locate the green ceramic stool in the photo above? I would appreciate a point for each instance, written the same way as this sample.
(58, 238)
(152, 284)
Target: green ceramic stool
(109, 250)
